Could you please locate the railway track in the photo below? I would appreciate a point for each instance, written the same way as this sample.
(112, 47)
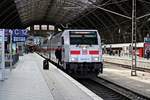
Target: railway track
(102, 91)
(129, 67)
(110, 91)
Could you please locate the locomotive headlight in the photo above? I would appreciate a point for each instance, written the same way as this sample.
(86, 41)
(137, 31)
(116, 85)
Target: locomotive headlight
(96, 59)
(74, 59)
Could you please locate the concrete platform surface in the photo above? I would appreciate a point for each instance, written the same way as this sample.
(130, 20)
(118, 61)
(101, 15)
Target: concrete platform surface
(25, 82)
(122, 77)
(28, 81)
(127, 60)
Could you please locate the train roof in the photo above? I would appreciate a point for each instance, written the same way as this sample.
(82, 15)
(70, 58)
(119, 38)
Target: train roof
(80, 30)
(120, 45)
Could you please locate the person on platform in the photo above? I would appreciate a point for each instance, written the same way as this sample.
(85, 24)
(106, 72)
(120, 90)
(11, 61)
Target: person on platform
(148, 54)
(119, 52)
(58, 55)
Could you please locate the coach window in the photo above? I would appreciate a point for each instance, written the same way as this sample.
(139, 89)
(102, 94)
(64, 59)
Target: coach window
(62, 40)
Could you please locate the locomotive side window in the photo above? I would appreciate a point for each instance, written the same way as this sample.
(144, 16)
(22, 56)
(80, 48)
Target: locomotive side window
(83, 38)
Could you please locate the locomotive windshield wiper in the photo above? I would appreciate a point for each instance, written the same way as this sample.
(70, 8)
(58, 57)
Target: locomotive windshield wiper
(90, 45)
(77, 45)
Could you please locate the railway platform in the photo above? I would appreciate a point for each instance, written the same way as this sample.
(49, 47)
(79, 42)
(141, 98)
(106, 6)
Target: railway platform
(127, 60)
(28, 81)
(122, 77)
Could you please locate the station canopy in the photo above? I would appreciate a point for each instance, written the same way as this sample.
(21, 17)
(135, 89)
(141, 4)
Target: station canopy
(111, 17)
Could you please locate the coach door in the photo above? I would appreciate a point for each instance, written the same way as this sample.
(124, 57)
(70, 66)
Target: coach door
(62, 48)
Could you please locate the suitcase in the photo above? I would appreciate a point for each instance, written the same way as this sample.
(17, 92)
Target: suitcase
(45, 64)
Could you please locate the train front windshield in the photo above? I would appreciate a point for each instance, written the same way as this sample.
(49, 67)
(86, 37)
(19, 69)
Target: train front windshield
(83, 38)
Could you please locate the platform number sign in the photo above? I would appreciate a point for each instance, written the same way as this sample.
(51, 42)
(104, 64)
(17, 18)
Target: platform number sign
(19, 35)
(2, 54)
(146, 44)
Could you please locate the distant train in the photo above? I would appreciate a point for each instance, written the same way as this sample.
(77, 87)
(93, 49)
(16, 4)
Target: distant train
(81, 51)
(30, 46)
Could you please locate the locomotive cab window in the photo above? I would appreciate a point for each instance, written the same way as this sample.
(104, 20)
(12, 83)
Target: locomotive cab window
(83, 38)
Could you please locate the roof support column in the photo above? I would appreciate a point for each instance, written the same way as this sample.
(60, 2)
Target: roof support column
(134, 57)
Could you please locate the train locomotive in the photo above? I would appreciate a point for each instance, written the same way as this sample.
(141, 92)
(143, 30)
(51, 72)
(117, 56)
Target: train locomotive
(81, 51)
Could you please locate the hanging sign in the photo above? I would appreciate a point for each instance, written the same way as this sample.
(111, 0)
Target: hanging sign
(147, 40)
(19, 35)
(146, 47)
(146, 44)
